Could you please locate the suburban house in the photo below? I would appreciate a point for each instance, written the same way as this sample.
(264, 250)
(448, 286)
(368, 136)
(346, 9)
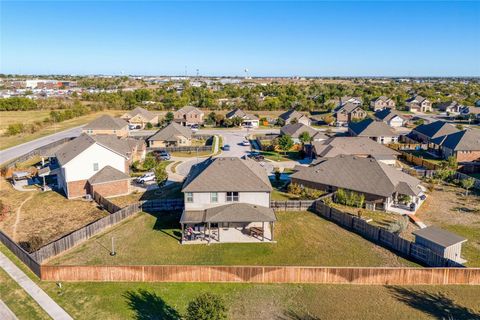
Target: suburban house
(96, 163)
(107, 125)
(188, 115)
(294, 130)
(383, 186)
(227, 199)
(376, 130)
(382, 102)
(444, 243)
(139, 117)
(247, 119)
(424, 133)
(349, 112)
(469, 111)
(292, 114)
(347, 99)
(173, 135)
(391, 117)
(355, 146)
(451, 107)
(463, 145)
(418, 104)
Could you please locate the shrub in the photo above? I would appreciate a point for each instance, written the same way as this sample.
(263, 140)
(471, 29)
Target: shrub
(33, 243)
(206, 306)
(161, 174)
(149, 126)
(294, 188)
(150, 162)
(15, 128)
(398, 225)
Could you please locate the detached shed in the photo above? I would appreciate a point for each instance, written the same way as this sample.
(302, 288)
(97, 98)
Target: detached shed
(444, 243)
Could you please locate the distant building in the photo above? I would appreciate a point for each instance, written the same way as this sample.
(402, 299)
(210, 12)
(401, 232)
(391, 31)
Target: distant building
(376, 130)
(418, 104)
(349, 112)
(189, 115)
(107, 125)
(382, 102)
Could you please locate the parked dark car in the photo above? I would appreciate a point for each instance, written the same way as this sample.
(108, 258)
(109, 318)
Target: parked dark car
(256, 156)
(162, 155)
(226, 147)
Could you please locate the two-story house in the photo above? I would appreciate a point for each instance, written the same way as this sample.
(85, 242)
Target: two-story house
(107, 125)
(381, 103)
(376, 130)
(227, 199)
(139, 117)
(418, 103)
(189, 115)
(349, 112)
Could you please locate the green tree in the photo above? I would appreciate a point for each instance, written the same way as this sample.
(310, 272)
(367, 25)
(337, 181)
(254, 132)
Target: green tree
(150, 162)
(305, 137)
(206, 306)
(467, 184)
(160, 174)
(169, 117)
(285, 143)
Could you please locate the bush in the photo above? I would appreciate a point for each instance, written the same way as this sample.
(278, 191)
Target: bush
(150, 162)
(149, 126)
(398, 225)
(15, 128)
(32, 244)
(206, 306)
(294, 188)
(350, 198)
(161, 174)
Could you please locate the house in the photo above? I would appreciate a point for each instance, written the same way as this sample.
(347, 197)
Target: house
(382, 102)
(139, 117)
(247, 119)
(382, 185)
(227, 199)
(349, 112)
(463, 145)
(188, 116)
(391, 117)
(418, 103)
(107, 125)
(295, 116)
(294, 130)
(424, 133)
(347, 99)
(173, 135)
(444, 243)
(355, 146)
(96, 163)
(451, 107)
(376, 130)
(471, 112)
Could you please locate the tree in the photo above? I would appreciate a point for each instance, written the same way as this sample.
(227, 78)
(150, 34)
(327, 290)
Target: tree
(293, 121)
(160, 174)
(149, 162)
(329, 119)
(450, 163)
(285, 142)
(467, 184)
(206, 306)
(305, 137)
(149, 126)
(169, 117)
(280, 122)
(443, 174)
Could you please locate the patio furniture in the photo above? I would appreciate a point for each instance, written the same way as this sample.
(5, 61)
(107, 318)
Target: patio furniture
(255, 231)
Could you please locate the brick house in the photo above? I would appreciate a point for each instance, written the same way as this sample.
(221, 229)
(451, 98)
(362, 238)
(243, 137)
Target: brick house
(349, 112)
(463, 145)
(107, 125)
(381, 103)
(188, 115)
(139, 117)
(418, 103)
(376, 130)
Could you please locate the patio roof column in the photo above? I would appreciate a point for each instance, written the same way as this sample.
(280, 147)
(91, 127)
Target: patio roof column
(263, 231)
(183, 233)
(218, 227)
(208, 226)
(272, 229)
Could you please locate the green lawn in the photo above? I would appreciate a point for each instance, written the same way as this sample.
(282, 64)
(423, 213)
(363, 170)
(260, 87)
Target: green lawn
(281, 156)
(303, 239)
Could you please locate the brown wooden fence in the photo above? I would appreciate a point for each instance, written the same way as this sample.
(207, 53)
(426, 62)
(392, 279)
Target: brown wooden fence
(105, 203)
(21, 254)
(292, 205)
(265, 274)
(420, 161)
(383, 237)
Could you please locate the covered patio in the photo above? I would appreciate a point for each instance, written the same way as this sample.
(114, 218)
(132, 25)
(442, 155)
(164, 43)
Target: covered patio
(232, 223)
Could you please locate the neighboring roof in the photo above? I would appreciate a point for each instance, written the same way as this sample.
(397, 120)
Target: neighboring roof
(416, 99)
(108, 174)
(445, 105)
(346, 99)
(171, 132)
(387, 115)
(435, 129)
(234, 212)
(439, 236)
(106, 122)
(466, 140)
(371, 128)
(76, 146)
(352, 146)
(290, 114)
(295, 129)
(235, 113)
(381, 98)
(188, 109)
(227, 174)
(348, 107)
(364, 175)
(147, 115)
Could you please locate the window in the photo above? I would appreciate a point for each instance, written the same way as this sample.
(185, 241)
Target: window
(214, 197)
(95, 166)
(232, 196)
(189, 197)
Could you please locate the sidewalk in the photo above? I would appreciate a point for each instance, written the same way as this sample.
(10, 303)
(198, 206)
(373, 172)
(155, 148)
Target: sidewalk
(6, 313)
(43, 300)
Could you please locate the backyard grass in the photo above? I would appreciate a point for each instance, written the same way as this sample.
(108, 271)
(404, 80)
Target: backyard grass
(172, 191)
(379, 218)
(25, 116)
(447, 207)
(425, 155)
(303, 239)
(281, 156)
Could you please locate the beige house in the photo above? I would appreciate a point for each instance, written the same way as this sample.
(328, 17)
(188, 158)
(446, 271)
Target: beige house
(295, 116)
(173, 135)
(349, 112)
(376, 130)
(139, 117)
(107, 125)
(381, 103)
(419, 104)
(189, 115)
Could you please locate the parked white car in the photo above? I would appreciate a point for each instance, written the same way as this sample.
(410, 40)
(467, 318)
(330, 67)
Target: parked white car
(147, 177)
(245, 143)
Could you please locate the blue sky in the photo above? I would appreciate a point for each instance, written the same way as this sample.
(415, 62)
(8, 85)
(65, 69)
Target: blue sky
(222, 38)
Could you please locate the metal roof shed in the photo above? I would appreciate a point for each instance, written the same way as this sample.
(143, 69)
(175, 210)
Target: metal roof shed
(442, 242)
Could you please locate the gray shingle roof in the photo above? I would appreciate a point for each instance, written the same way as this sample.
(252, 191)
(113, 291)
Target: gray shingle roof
(387, 115)
(188, 109)
(348, 107)
(171, 132)
(235, 113)
(416, 99)
(352, 146)
(234, 212)
(371, 128)
(147, 115)
(106, 122)
(439, 236)
(435, 129)
(227, 174)
(291, 114)
(294, 130)
(364, 175)
(108, 174)
(466, 140)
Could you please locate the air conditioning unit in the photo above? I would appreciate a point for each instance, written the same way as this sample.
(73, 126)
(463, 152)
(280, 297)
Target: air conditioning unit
(88, 197)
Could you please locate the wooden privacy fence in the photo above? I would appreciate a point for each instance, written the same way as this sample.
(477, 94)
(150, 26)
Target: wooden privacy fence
(21, 254)
(163, 205)
(420, 161)
(383, 237)
(292, 205)
(105, 203)
(462, 176)
(183, 149)
(265, 274)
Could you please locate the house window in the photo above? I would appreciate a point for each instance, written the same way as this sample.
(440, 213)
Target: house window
(232, 196)
(214, 197)
(95, 166)
(189, 197)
